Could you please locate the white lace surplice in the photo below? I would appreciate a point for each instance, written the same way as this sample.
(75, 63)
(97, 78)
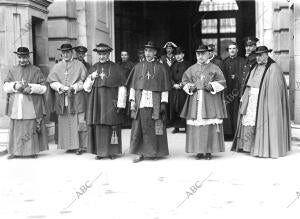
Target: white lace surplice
(202, 122)
(250, 117)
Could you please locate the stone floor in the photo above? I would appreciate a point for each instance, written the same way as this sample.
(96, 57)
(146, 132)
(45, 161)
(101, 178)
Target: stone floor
(232, 185)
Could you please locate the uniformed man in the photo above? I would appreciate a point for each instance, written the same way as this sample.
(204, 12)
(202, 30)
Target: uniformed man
(214, 58)
(168, 59)
(80, 53)
(250, 47)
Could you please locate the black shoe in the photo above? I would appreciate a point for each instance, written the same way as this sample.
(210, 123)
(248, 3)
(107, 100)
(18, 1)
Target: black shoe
(199, 156)
(175, 130)
(112, 156)
(138, 159)
(208, 156)
(99, 157)
(9, 157)
(79, 152)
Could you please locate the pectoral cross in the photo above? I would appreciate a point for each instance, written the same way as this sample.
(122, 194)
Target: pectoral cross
(102, 75)
(148, 75)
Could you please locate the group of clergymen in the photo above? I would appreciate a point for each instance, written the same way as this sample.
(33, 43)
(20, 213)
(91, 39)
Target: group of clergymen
(240, 97)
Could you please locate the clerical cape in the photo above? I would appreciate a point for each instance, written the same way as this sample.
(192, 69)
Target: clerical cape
(203, 110)
(272, 133)
(148, 133)
(72, 131)
(103, 119)
(68, 73)
(28, 134)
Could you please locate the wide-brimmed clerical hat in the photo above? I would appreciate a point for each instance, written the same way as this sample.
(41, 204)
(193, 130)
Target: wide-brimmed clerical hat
(102, 47)
(262, 49)
(81, 49)
(203, 48)
(250, 40)
(150, 44)
(179, 50)
(22, 51)
(170, 44)
(65, 47)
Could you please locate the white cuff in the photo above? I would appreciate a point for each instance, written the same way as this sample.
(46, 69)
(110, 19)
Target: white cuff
(88, 84)
(217, 87)
(186, 88)
(164, 96)
(57, 86)
(77, 86)
(8, 87)
(122, 94)
(37, 88)
(132, 94)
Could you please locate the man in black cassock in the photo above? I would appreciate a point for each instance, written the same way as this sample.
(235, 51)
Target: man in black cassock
(177, 95)
(149, 85)
(105, 83)
(233, 71)
(125, 63)
(127, 66)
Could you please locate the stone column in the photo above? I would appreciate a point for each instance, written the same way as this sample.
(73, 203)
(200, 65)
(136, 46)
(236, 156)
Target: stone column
(296, 64)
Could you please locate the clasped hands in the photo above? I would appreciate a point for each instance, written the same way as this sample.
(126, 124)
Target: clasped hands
(22, 87)
(67, 90)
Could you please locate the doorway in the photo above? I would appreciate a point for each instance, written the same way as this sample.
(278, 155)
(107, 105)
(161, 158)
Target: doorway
(187, 24)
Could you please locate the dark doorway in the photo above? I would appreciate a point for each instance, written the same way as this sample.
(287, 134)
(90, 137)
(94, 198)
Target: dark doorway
(177, 21)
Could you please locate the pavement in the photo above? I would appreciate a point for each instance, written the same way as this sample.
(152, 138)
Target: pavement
(231, 185)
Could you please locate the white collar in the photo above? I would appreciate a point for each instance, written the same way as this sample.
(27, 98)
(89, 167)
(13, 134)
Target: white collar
(152, 60)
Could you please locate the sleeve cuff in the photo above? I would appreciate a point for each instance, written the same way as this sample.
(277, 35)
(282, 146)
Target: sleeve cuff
(122, 94)
(217, 87)
(164, 96)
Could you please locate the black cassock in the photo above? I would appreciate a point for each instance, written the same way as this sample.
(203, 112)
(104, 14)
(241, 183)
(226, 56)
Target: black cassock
(127, 67)
(233, 72)
(177, 97)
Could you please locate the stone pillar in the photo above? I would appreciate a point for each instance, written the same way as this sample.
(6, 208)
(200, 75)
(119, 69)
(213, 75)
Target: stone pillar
(264, 23)
(296, 64)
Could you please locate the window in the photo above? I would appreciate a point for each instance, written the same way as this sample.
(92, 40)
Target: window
(209, 26)
(217, 5)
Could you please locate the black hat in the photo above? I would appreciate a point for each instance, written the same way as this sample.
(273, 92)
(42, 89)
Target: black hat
(150, 44)
(203, 48)
(250, 40)
(81, 49)
(22, 51)
(262, 49)
(102, 47)
(169, 44)
(65, 47)
(211, 46)
(178, 50)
